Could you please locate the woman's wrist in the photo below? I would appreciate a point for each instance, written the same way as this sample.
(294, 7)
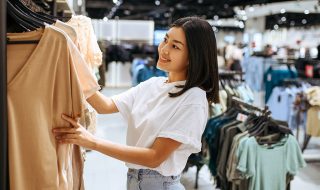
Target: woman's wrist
(94, 143)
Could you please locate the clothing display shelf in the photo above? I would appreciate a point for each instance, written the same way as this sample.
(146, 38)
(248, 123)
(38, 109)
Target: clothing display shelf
(4, 179)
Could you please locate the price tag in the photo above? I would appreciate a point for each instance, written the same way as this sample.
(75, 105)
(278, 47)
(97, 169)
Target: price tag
(269, 77)
(241, 117)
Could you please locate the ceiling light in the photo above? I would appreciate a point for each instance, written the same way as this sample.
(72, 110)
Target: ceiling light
(276, 27)
(79, 2)
(157, 2)
(200, 1)
(282, 11)
(304, 21)
(292, 23)
(251, 9)
(242, 12)
(215, 29)
(115, 1)
(216, 17)
(127, 12)
(283, 19)
(105, 18)
(306, 12)
(244, 17)
(241, 24)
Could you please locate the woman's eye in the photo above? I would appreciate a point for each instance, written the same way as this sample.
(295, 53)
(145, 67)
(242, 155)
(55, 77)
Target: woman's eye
(165, 40)
(175, 47)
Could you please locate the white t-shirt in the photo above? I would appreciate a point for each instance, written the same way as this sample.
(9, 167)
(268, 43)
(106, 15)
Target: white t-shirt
(151, 113)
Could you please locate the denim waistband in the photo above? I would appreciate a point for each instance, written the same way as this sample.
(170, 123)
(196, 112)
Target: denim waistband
(147, 173)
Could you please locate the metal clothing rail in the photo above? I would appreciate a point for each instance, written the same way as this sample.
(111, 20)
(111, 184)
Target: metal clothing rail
(4, 171)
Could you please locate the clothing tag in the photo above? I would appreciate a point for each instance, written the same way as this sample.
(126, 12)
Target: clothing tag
(279, 98)
(309, 71)
(269, 77)
(241, 117)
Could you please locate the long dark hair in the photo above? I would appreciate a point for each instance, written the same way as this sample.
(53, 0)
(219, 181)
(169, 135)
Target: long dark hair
(202, 70)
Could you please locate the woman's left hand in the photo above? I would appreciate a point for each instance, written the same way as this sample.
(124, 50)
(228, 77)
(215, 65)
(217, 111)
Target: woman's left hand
(76, 134)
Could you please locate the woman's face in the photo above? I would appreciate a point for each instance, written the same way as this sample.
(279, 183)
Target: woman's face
(173, 52)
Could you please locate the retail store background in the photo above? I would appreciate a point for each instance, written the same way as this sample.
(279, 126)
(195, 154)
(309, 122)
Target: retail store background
(290, 28)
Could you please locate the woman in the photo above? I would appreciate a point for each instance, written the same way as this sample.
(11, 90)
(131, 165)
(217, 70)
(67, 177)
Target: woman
(166, 116)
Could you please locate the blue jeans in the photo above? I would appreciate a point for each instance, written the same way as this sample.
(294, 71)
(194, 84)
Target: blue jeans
(145, 179)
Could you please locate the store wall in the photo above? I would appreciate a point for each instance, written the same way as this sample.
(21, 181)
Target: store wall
(224, 37)
(117, 31)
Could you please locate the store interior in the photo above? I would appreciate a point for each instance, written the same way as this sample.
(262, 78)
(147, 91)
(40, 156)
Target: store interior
(269, 64)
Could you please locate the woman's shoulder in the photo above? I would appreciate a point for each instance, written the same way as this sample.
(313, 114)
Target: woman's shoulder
(151, 81)
(195, 96)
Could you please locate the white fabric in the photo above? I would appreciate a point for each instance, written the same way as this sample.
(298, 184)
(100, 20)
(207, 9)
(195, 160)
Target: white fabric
(151, 113)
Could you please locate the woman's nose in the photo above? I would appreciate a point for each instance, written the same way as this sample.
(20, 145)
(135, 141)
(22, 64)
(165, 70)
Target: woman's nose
(165, 50)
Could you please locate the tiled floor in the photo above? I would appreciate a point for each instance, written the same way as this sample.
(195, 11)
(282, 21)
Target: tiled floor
(105, 173)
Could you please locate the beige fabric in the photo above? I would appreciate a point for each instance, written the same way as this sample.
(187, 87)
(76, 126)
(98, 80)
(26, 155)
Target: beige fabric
(88, 81)
(313, 121)
(69, 30)
(89, 119)
(88, 44)
(313, 95)
(42, 84)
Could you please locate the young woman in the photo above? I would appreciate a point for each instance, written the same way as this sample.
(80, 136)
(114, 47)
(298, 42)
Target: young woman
(166, 116)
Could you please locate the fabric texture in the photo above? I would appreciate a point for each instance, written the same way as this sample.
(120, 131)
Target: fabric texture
(42, 84)
(258, 162)
(88, 44)
(150, 179)
(313, 121)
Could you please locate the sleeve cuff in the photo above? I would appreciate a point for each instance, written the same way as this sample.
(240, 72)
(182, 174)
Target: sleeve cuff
(191, 142)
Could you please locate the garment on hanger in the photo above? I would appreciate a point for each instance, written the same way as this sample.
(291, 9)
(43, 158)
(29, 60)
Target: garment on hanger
(267, 166)
(227, 135)
(43, 83)
(88, 44)
(89, 119)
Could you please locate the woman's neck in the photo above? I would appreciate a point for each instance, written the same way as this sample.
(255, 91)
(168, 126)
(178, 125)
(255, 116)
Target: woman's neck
(175, 77)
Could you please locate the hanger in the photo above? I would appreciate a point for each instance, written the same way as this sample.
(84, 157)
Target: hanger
(23, 15)
(41, 18)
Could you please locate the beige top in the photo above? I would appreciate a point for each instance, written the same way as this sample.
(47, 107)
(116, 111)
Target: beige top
(313, 121)
(42, 84)
(88, 44)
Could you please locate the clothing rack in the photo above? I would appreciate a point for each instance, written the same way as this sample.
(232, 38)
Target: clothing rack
(314, 82)
(4, 172)
(252, 107)
(224, 73)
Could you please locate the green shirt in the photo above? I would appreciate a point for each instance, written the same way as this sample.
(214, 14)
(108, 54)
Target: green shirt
(267, 166)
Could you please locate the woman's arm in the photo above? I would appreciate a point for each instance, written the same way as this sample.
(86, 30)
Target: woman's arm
(102, 104)
(150, 157)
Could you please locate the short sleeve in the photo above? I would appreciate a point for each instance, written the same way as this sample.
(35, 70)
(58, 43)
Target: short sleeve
(125, 100)
(88, 82)
(295, 160)
(186, 126)
(75, 92)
